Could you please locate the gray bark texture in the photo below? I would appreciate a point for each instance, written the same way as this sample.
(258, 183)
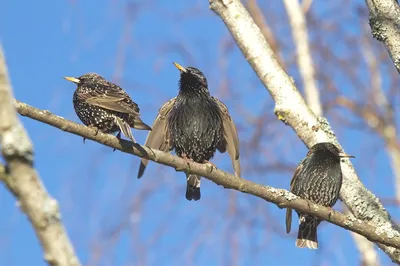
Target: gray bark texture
(384, 20)
(22, 180)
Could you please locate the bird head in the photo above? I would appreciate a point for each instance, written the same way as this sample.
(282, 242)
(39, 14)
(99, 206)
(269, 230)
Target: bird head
(329, 147)
(88, 77)
(191, 77)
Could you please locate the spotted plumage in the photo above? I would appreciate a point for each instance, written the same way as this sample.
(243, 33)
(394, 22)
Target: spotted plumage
(317, 178)
(195, 124)
(105, 106)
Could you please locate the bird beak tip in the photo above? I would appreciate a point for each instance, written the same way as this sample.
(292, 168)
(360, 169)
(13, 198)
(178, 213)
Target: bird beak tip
(345, 155)
(181, 68)
(72, 79)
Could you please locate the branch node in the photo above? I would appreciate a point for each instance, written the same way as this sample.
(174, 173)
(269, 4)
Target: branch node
(281, 115)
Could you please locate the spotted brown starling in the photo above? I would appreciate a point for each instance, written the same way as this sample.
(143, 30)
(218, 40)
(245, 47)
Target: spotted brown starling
(105, 106)
(317, 178)
(195, 124)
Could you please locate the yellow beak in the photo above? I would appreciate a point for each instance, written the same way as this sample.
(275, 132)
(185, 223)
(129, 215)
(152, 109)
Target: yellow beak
(72, 79)
(181, 68)
(345, 155)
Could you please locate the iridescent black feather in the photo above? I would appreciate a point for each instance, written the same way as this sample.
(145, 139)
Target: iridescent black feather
(195, 124)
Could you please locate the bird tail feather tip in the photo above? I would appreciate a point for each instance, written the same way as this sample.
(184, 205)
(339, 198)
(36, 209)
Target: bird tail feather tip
(307, 236)
(193, 187)
(139, 124)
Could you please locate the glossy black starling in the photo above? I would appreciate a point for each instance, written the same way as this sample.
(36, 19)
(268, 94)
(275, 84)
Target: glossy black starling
(195, 124)
(317, 178)
(105, 106)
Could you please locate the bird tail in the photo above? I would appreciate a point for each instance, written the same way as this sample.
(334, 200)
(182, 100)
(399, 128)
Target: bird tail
(193, 187)
(138, 123)
(307, 236)
(125, 128)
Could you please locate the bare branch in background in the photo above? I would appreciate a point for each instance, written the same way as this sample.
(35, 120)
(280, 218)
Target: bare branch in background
(298, 25)
(259, 19)
(24, 183)
(384, 20)
(379, 232)
(369, 257)
(292, 110)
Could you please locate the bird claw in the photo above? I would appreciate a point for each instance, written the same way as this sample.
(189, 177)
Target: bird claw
(282, 205)
(210, 166)
(188, 160)
(119, 135)
(96, 130)
(330, 213)
(84, 139)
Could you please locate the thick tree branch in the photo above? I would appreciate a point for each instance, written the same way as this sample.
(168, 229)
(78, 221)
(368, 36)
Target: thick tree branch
(380, 233)
(292, 110)
(23, 181)
(384, 20)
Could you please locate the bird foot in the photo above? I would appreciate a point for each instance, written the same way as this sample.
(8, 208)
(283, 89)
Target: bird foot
(84, 139)
(188, 161)
(282, 205)
(96, 130)
(210, 166)
(330, 213)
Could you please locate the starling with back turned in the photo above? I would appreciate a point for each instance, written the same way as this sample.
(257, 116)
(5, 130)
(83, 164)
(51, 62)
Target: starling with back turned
(105, 106)
(195, 124)
(317, 178)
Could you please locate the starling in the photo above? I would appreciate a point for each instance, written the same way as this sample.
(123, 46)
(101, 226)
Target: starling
(105, 106)
(317, 178)
(195, 124)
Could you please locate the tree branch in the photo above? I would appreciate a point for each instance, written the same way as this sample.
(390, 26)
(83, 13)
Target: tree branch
(292, 110)
(298, 26)
(23, 181)
(384, 20)
(283, 198)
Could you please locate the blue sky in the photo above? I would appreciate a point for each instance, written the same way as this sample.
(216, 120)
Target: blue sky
(111, 217)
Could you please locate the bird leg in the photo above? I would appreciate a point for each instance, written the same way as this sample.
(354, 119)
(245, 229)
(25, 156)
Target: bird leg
(96, 131)
(118, 137)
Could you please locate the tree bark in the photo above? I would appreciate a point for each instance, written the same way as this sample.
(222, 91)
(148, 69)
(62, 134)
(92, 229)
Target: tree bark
(384, 20)
(282, 198)
(21, 178)
(291, 109)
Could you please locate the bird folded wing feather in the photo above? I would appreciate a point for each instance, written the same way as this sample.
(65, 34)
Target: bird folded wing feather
(113, 100)
(231, 139)
(159, 137)
(289, 210)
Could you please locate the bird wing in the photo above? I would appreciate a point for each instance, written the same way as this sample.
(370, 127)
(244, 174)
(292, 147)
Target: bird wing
(159, 137)
(231, 139)
(289, 210)
(114, 100)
